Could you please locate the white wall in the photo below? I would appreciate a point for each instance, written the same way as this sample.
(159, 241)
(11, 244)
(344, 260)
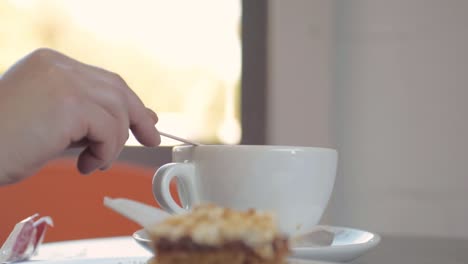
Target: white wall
(399, 93)
(299, 74)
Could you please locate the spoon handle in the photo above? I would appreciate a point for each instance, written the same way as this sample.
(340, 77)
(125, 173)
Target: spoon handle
(179, 139)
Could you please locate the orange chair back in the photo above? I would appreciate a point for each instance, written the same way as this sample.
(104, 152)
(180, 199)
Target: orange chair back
(75, 202)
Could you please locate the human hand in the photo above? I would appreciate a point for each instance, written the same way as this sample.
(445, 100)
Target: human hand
(50, 102)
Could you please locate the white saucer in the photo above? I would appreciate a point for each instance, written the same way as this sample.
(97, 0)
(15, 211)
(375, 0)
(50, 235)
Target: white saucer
(348, 244)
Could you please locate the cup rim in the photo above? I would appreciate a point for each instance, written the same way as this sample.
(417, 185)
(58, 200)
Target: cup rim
(257, 147)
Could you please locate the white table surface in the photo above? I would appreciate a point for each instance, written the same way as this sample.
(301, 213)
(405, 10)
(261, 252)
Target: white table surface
(114, 250)
(123, 250)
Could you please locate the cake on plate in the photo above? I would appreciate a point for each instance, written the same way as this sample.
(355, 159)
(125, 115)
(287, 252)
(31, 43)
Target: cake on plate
(211, 234)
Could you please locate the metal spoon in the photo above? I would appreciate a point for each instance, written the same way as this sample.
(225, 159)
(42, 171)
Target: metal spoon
(179, 139)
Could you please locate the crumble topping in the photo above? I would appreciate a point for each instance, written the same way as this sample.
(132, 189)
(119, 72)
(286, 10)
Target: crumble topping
(211, 225)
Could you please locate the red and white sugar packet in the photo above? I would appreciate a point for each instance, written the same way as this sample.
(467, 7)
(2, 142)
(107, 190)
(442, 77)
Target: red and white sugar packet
(24, 240)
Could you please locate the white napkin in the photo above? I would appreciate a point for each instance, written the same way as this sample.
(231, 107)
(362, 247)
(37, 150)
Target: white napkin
(142, 214)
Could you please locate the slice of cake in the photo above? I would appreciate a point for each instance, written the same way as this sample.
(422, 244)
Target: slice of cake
(211, 234)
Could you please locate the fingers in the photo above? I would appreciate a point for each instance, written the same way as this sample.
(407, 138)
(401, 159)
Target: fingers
(108, 128)
(88, 161)
(104, 140)
(121, 110)
(142, 120)
(115, 103)
(155, 119)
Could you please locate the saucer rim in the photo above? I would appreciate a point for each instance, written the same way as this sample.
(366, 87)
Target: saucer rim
(375, 240)
(330, 253)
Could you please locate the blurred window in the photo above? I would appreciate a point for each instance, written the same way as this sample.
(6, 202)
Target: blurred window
(183, 58)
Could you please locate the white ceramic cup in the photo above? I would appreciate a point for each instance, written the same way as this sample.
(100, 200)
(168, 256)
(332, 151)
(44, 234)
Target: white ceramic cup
(295, 183)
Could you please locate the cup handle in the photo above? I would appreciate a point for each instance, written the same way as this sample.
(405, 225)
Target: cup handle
(161, 186)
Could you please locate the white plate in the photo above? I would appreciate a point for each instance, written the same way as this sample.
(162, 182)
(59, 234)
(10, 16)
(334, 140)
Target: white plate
(348, 244)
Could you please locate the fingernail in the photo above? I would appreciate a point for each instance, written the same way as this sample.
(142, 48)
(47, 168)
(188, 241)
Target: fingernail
(85, 171)
(105, 167)
(158, 140)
